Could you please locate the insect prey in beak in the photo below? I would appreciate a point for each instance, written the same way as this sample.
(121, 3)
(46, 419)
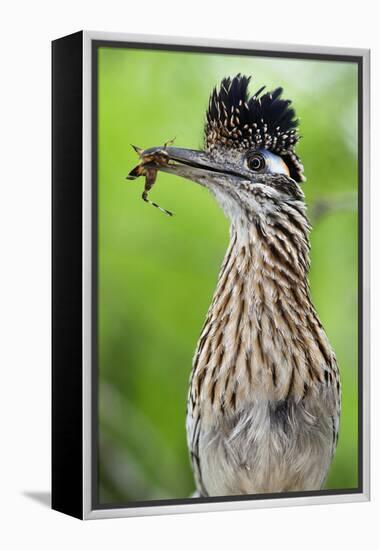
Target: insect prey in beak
(146, 169)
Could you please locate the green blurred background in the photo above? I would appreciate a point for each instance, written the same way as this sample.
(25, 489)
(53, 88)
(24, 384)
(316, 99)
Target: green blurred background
(157, 274)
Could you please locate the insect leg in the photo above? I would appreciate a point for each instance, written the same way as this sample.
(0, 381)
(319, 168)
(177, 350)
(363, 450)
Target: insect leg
(151, 176)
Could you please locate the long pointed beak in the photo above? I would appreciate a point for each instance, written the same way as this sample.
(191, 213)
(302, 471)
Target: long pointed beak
(194, 165)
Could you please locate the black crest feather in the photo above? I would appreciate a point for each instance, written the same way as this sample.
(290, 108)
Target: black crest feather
(264, 120)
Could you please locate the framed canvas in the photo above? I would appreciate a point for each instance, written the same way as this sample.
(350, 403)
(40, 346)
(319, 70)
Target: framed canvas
(211, 341)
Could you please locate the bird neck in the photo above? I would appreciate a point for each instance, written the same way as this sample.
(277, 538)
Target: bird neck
(268, 256)
(261, 305)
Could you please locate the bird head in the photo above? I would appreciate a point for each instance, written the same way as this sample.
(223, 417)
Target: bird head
(248, 162)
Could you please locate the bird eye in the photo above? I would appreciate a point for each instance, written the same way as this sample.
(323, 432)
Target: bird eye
(256, 162)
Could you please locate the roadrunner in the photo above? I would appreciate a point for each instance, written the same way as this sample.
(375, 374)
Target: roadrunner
(264, 398)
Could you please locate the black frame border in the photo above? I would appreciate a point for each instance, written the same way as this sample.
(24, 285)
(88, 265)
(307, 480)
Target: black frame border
(67, 291)
(95, 45)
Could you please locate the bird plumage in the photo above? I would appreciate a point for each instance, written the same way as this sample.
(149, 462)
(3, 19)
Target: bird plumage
(263, 406)
(264, 399)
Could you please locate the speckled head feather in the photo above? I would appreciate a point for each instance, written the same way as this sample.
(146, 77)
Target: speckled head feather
(234, 119)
